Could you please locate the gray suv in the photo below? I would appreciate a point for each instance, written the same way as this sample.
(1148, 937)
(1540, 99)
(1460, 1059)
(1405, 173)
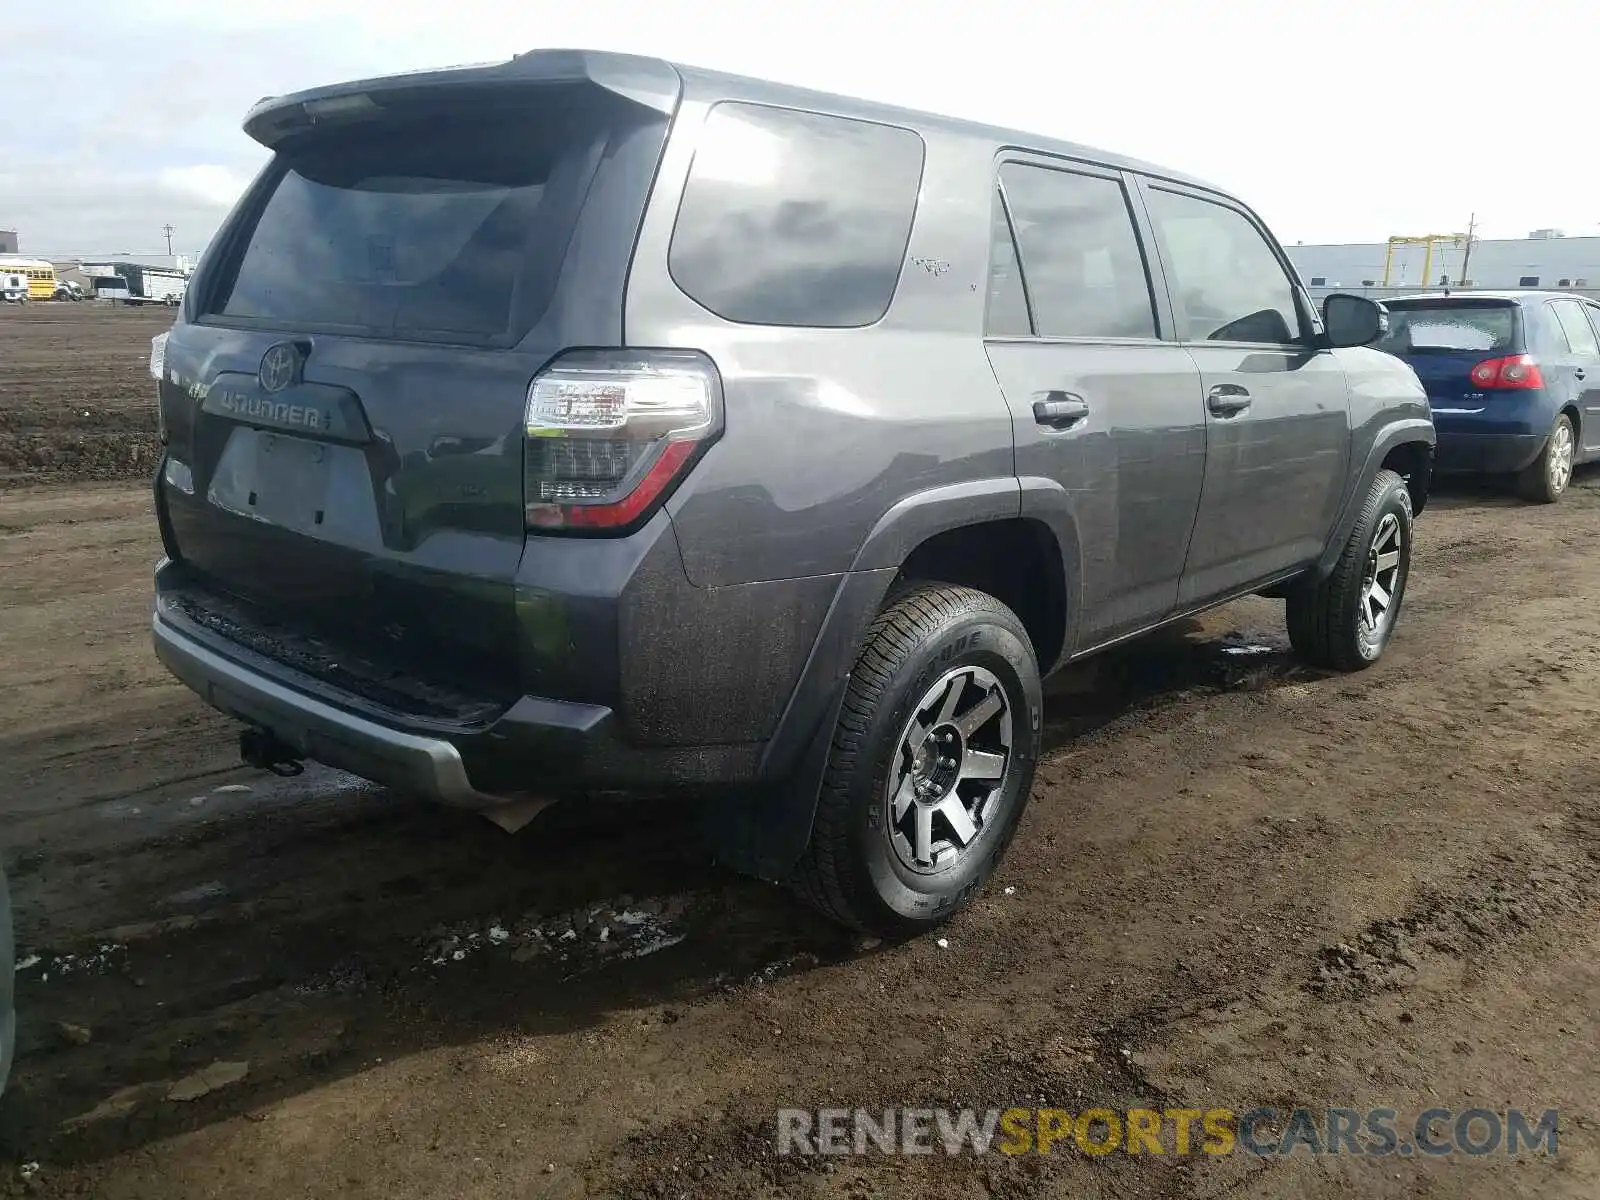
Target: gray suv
(588, 424)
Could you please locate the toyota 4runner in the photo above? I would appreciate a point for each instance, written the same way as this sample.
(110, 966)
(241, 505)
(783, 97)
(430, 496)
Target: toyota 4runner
(588, 424)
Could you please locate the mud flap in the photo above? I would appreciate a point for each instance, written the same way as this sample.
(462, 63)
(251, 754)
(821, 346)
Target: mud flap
(513, 817)
(764, 831)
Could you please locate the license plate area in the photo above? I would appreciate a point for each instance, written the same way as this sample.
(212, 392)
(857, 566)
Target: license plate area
(289, 483)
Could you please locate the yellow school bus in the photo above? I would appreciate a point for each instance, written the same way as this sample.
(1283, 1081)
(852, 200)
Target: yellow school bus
(41, 275)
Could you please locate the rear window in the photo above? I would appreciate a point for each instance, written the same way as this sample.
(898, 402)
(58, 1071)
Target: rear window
(795, 218)
(1442, 328)
(448, 225)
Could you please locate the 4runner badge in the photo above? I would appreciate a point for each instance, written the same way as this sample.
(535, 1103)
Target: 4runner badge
(280, 367)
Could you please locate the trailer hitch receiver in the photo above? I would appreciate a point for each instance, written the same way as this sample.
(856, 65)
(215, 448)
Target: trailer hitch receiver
(261, 749)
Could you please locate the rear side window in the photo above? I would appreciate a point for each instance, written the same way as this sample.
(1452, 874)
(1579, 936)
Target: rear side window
(1580, 338)
(795, 218)
(448, 224)
(1081, 260)
(1442, 328)
(1224, 276)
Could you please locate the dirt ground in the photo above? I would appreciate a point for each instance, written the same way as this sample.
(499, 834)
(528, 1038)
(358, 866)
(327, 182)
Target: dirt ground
(71, 402)
(1239, 883)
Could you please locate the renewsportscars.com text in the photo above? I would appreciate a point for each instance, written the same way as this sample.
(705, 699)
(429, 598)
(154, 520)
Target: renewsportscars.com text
(1376, 1132)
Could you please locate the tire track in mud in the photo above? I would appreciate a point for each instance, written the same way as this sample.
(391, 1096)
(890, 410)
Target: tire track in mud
(1265, 970)
(314, 923)
(1205, 827)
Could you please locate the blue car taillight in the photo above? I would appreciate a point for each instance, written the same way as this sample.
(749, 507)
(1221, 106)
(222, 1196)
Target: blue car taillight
(1516, 372)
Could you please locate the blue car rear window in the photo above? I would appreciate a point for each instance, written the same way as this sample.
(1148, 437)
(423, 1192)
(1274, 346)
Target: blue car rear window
(1468, 328)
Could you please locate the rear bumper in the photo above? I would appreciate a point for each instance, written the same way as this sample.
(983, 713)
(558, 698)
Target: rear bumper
(429, 766)
(537, 749)
(1486, 453)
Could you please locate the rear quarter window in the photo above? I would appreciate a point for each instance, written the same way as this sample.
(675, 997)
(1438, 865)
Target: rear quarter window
(1579, 335)
(795, 218)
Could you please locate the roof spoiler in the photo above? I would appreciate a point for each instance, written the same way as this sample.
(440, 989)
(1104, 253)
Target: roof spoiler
(650, 82)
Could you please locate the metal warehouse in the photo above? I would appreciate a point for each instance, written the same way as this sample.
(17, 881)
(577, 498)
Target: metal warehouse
(1544, 259)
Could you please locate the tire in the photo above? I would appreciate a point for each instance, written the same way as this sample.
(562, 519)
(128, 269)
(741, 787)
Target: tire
(864, 866)
(1545, 479)
(1327, 625)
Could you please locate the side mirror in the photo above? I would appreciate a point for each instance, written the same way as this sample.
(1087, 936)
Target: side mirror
(1353, 320)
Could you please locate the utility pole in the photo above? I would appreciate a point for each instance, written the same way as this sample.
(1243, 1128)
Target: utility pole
(1466, 255)
(169, 231)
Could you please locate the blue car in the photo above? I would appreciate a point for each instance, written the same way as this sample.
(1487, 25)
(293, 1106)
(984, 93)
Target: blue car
(1513, 379)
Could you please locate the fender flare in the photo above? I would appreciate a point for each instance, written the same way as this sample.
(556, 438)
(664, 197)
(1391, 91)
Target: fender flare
(1396, 433)
(764, 833)
(913, 519)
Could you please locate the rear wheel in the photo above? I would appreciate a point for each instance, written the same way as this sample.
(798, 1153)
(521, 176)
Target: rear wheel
(931, 764)
(1545, 479)
(1345, 621)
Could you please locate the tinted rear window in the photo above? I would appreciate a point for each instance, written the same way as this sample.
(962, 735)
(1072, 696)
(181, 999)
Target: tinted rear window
(1467, 328)
(448, 225)
(795, 218)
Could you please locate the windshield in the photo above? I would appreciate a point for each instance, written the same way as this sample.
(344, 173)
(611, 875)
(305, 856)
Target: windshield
(445, 225)
(1444, 328)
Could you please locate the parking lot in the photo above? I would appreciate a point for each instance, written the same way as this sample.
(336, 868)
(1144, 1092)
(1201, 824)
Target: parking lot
(1239, 883)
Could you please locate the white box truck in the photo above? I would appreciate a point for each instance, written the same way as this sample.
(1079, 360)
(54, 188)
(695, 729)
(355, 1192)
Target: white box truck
(136, 283)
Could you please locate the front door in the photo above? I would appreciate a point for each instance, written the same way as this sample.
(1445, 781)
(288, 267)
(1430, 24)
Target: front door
(1277, 408)
(1100, 402)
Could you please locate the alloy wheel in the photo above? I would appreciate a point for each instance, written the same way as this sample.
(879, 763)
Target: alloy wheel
(1381, 583)
(950, 770)
(1561, 454)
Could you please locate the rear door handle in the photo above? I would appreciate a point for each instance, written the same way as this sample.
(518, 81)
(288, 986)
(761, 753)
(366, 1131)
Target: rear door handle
(1058, 410)
(1227, 399)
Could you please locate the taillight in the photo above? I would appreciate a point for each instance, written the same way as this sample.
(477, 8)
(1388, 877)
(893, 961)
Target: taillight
(1516, 372)
(158, 368)
(609, 433)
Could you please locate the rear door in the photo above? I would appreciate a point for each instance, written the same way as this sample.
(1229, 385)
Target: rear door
(346, 398)
(1100, 401)
(1582, 369)
(1276, 408)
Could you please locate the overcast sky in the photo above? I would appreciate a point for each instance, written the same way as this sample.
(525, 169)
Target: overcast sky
(1347, 121)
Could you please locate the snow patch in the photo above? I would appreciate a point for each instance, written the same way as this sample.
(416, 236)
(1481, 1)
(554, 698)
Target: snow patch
(101, 961)
(620, 929)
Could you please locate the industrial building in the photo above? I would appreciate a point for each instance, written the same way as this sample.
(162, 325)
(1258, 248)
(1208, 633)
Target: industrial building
(1544, 259)
(8, 241)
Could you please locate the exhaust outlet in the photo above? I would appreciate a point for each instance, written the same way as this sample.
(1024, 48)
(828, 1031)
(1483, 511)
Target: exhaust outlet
(265, 751)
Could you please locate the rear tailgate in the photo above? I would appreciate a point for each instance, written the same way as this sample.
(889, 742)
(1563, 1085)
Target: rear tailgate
(1443, 338)
(344, 399)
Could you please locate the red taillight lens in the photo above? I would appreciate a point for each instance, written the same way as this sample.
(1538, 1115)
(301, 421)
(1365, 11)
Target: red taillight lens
(1517, 372)
(608, 433)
